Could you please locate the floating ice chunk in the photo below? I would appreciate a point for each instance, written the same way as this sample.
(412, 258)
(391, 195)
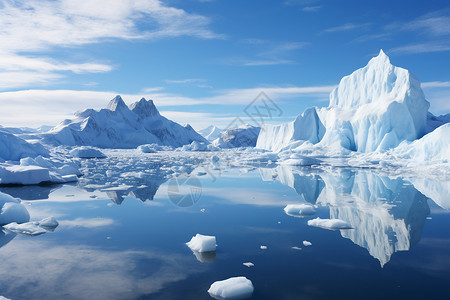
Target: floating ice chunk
(262, 247)
(296, 248)
(49, 223)
(202, 243)
(299, 210)
(301, 160)
(232, 288)
(29, 228)
(248, 264)
(4, 298)
(306, 243)
(23, 175)
(148, 148)
(332, 224)
(12, 210)
(87, 152)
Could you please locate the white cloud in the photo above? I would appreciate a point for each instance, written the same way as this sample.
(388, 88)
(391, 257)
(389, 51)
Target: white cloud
(311, 8)
(345, 27)
(38, 107)
(435, 84)
(40, 26)
(266, 62)
(426, 47)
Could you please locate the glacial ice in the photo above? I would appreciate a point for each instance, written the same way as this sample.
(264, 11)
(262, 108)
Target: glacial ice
(375, 109)
(14, 148)
(232, 288)
(28, 229)
(245, 135)
(86, 152)
(333, 224)
(202, 243)
(12, 210)
(299, 210)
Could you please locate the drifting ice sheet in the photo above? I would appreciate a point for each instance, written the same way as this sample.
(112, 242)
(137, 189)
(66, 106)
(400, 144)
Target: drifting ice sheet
(299, 210)
(333, 224)
(232, 288)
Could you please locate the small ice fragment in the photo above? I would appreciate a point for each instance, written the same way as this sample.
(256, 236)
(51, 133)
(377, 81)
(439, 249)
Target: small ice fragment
(299, 210)
(248, 264)
(202, 243)
(232, 288)
(202, 210)
(332, 224)
(429, 218)
(279, 222)
(306, 243)
(296, 248)
(28, 229)
(49, 223)
(263, 247)
(108, 237)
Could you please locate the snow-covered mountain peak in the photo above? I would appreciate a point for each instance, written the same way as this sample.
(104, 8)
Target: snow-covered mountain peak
(116, 104)
(144, 108)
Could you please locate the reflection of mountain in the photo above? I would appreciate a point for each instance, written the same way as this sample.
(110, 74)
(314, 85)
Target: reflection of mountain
(388, 214)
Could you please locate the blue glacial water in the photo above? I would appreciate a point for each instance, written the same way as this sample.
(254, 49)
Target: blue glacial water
(122, 245)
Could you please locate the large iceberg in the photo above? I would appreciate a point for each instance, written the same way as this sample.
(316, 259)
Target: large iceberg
(245, 135)
(373, 109)
(120, 126)
(15, 148)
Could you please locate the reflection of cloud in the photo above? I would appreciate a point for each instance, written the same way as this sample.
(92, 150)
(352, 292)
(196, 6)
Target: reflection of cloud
(32, 268)
(86, 222)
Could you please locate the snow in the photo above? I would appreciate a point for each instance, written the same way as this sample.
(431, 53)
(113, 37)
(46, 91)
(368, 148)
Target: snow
(119, 126)
(12, 210)
(299, 210)
(28, 229)
(306, 243)
(202, 243)
(333, 224)
(232, 288)
(87, 152)
(15, 148)
(210, 133)
(243, 136)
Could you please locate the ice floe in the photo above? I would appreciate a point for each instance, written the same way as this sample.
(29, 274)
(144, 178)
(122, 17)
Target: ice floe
(87, 152)
(232, 288)
(202, 243)
(299, 210)
(333, 224)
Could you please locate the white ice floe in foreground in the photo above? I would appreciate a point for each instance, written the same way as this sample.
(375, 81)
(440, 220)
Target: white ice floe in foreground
(86, 152)
(232, 288)
(299, 210)
(333, 224)
(202, 243)
(12, 210)
(28, 229)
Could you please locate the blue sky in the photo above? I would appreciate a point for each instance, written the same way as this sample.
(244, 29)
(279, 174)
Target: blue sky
(204, 61)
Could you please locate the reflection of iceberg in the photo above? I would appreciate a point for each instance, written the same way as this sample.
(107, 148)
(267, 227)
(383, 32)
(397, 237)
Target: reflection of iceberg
(31, 192)
(307, 185)
(436, 190)
(387, 214)
(205, 257)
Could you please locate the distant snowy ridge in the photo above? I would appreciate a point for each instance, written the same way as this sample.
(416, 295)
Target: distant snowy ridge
(120, 126)
(373, 109)
(210, 133)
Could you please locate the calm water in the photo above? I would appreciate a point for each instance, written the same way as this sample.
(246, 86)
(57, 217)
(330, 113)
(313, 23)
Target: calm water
(115, 245)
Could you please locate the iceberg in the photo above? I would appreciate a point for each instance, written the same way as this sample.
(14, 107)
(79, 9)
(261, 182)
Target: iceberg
(87, 152)
(299, 210)
(12, 210)
(373, 109)
(245, 135)
(14, 148)
(232, 288)
(28, 229)
(120, 126)
(202, 243)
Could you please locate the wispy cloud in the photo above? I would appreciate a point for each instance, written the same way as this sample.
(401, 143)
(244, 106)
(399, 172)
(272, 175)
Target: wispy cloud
(40, 26)
(87, 222)
(266, 62)
(436, 84)
(311, 8)
(346, 27)
(426, 47)
(435, 24)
